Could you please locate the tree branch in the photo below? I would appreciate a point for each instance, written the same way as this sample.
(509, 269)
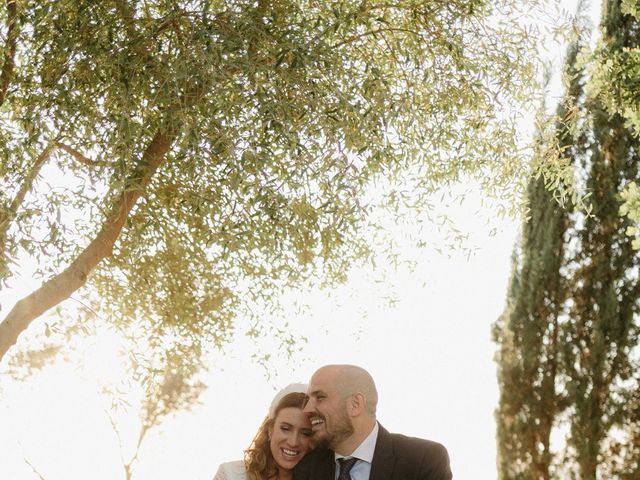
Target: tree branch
(8, 216)
(116, 432)
(10, 49)
(374, 32)
(26, 460)
(128, 467)
(77, 155)
(28, 183)
(34, 469)
(61, 286)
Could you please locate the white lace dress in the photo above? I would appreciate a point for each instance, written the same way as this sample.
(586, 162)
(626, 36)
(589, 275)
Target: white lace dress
(231, 471)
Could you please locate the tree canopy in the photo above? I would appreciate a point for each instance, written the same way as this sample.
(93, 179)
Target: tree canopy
(188, 158)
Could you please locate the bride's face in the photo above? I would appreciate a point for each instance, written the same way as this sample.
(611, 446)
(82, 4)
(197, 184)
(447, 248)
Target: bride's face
(290, 437)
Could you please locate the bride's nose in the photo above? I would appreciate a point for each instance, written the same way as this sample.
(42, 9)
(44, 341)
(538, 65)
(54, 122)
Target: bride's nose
(294, 440)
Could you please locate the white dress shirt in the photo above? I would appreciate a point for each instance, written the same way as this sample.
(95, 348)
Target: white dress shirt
(364, 454)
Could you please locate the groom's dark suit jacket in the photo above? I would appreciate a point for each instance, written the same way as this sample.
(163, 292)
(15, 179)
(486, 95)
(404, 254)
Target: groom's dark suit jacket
(396, 457)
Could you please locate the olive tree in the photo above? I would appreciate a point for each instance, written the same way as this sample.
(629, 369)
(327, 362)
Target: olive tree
(176, 161)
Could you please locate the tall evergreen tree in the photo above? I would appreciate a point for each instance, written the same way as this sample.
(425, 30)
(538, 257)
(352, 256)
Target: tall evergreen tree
(604, 294)
(527, 332)
(569, 333)
(601, 330)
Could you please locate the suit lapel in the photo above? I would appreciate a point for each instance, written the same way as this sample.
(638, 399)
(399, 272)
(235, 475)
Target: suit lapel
(383, 457)
(325, 467)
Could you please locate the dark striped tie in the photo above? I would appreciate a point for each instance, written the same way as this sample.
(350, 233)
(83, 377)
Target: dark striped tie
(346, 464)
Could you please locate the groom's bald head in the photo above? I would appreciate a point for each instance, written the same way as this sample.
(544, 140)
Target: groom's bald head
(349, 380)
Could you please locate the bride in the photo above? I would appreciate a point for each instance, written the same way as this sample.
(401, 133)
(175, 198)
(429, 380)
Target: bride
(282, 440)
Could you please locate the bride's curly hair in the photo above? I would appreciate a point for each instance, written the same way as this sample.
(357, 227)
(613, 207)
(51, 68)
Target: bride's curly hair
(258, 458)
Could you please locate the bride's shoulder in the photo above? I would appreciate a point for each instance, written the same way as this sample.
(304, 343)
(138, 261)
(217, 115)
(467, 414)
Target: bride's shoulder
(231, 471)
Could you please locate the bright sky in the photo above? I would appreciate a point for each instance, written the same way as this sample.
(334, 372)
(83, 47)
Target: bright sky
(430, 353)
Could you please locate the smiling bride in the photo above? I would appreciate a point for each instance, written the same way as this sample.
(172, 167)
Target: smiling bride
(282, 440)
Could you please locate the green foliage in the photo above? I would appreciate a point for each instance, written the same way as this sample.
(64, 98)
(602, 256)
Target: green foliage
(600, 339)
(630, 207)
(280, 116)
(568, 339)
(615, 77)
(527, 334)
(602, 330)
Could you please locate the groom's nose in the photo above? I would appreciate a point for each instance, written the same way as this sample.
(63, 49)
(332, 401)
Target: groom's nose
(309, 405)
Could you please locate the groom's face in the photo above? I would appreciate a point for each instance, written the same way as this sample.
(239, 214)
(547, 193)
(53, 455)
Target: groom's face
(327, 410)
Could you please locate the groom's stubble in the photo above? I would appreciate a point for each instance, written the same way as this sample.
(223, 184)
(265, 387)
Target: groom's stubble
(339, 430)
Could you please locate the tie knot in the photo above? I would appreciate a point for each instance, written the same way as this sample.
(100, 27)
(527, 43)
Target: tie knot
(346, 464)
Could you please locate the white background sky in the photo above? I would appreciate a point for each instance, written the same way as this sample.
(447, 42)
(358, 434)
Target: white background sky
(431, 356)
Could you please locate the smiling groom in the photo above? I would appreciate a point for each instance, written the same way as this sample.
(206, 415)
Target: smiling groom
(351, 444)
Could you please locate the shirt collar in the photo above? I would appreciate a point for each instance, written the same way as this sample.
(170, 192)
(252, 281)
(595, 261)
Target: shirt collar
(366, 448)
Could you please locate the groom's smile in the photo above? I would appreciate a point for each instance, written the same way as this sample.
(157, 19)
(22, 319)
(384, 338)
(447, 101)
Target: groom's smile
(316, 421)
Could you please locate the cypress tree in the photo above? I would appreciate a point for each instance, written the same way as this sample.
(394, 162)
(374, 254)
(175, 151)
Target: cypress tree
(604, 290)
(527, 332)
(568, 340)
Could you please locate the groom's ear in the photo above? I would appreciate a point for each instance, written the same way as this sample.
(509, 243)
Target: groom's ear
(358, 403)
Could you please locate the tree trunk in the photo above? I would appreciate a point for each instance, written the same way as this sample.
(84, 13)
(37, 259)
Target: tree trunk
(63, 285)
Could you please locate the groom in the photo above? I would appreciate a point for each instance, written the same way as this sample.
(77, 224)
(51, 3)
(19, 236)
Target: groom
(351, 444)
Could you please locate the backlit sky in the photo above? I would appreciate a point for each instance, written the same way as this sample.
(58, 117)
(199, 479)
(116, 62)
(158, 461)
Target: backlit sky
(430, 354)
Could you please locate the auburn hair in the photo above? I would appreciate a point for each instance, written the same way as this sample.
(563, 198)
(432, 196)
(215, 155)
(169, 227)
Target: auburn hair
(258, 458)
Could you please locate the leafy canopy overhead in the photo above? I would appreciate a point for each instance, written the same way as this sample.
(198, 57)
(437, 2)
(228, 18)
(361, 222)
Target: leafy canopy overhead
(192, 157)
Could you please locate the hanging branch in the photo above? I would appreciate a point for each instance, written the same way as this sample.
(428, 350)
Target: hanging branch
(77, 155)
(7, 216)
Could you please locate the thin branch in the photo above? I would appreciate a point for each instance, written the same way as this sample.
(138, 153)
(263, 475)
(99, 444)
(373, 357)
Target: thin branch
(34, 469)
(375, 32)
(89, 309)
(28, 182)
(8, 215)
(77, 155)
(114, 427)
(10, 49)
(128, 467)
